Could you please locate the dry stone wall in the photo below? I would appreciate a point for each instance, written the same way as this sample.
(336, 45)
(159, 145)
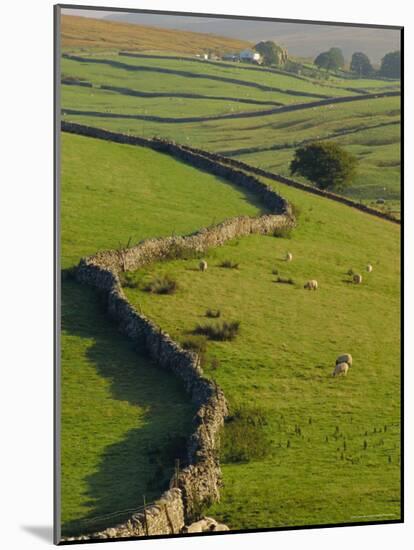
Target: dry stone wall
(224, 166)
(198, 482)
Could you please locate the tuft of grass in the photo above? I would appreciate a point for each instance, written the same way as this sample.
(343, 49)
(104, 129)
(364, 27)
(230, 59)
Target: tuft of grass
(127, 280)
(229, 264)
(284, 280)
(244, 437)
(283, 232)
(213, 313)
(163, 284)
(198, 344)
(220, 331)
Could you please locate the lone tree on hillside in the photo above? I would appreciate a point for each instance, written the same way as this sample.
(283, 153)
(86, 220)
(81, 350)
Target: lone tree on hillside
(337, 58)
(330, 60)
(391, 65)
(361, 64)
(325, 164)
(272, 53)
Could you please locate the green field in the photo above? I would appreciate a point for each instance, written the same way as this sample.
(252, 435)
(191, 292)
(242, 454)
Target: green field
(283, 360)
(117, 410)
(370, 128)
(332, 444)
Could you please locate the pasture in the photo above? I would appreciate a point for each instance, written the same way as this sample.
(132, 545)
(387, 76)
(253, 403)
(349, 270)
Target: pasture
(81, 33)
(122, 420)
(333, 443)
(232, 109)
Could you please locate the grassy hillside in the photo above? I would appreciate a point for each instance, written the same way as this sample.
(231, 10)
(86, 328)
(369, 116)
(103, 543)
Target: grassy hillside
(165, 87)
(333, 443)
(83, 32)
(122, 419)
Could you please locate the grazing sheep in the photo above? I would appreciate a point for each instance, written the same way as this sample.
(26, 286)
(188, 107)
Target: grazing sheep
(357, 278)
(369, 268)
(204, 524)
(203, 265)
(219, 527)
(311, 285)
(340, 369)
(344, 358)
(289, 257)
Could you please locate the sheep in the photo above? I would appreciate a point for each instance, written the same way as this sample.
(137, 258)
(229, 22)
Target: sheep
(344, 358)
(311, 285)
(289, 257)
(369, 268)
(340, 369)
(204, 524)
(357, 278)
(203, 265)
(219, 527)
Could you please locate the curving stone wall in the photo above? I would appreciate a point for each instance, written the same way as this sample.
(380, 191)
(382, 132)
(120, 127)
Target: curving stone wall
(223, 166)
(198, 483)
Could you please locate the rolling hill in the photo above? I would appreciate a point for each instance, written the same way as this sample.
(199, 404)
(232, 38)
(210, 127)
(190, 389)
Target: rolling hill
(304, 40)
(96, 34)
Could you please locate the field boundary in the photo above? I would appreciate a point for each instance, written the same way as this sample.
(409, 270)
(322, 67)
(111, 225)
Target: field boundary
(189, 74)
(221, 166)
(342, 133)
(198, 483)
(243, 66)
(151, 95)
(242, 114)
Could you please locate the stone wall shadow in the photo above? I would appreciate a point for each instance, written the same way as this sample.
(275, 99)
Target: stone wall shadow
(143, 462)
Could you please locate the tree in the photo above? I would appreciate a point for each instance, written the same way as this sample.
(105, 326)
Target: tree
(330, 60)
(272, 53)
(322, 60)
(325, 164)
(361, 64)
(337, 58)
(391, 65)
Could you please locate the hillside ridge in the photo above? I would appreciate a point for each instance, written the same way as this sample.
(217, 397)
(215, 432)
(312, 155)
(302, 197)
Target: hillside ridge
(78, 32)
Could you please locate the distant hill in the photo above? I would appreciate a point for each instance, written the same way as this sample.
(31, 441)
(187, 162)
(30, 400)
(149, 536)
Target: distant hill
(304, 40)
(79, 32)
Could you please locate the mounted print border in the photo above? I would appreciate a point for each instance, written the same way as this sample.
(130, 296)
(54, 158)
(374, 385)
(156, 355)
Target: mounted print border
(228, 274)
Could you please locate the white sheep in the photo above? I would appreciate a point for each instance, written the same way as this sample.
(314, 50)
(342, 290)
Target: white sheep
(369, 268)
(204, 524)
(344, 358)
(289, 257)
(357, 278)
(311, 285)
(203, 265)
(341, 369)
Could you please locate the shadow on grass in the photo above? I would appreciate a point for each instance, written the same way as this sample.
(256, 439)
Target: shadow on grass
(143, 461)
